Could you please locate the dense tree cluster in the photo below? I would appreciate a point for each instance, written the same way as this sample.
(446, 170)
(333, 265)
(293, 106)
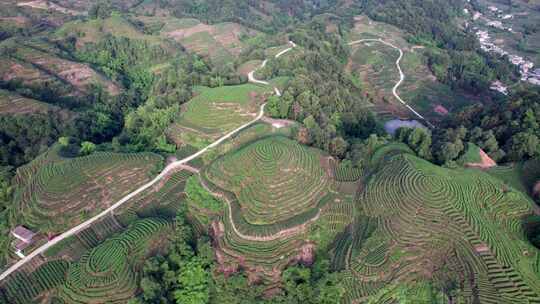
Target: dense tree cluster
(508, 131)
(22, 138)
(321, 95)
(187, 273)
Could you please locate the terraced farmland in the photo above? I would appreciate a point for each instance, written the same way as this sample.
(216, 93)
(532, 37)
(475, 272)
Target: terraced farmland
(108, 273)
(215, 111)
(429, 217)
(282, 203)
(37, 62)
(61, 194)
(22, 288)
(274, 179)
(374, 64)
(14, 104)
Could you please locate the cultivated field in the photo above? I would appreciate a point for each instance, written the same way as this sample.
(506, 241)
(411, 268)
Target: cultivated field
(282, 202)
(274, 179)
(56, 195)
(221, 42)
(421, 223)
(14, 104)
(216, 111)
(38, 63)
(106, 273)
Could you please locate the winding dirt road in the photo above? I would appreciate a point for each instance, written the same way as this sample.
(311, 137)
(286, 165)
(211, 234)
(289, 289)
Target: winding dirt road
(170, 168)
(251, 76)
(401, 75)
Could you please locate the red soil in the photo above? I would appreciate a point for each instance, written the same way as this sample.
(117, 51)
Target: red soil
(486, 162)
(439, 109)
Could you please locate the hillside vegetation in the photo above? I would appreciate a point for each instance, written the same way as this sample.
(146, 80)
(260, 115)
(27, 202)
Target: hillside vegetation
(343, 170)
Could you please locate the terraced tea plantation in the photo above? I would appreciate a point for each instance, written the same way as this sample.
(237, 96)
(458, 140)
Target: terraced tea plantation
(274, 179)
(459, 227)
(282, 202)
(215, 111)
(107, 273)
(61, 194)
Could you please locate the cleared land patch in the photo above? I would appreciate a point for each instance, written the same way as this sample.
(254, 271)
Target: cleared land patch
(221, 42)
(39, 63)
(14, 104)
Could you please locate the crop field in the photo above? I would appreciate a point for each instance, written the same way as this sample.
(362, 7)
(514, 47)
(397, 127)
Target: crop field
(429, 216)
(63, 193)
(105, 273)
(23, 287)
(220, 42)
(93, 30)
(521, 176)
(162, 200)
(37, 61)
(13, 104)
(216, 111)
(374, 64)
(282, 202)
(274, 179)
(74, 247)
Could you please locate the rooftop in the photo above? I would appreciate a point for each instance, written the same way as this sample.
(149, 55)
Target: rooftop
(22, 233)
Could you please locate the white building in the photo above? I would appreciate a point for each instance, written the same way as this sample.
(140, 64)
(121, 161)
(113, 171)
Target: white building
(23, 239)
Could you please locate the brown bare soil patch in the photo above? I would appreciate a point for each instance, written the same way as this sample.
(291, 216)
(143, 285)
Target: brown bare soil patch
(19, 20)
(187, 32)
(248, 67)
(536, 189)
(486, 162)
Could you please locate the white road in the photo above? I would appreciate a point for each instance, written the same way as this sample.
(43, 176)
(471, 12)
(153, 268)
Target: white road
(251, 76)
(170, 168)
(401, 75)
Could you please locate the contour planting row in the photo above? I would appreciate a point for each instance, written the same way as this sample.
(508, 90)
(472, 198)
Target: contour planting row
(61, 192)
(222, 109)
(345, 172)
(107, 274)
(421, 206)
(22, 288)
(270, 255)
(165, 197)
(265, 230)
(274, 179)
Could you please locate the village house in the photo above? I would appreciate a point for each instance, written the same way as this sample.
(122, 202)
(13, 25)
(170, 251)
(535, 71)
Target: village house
(24, 238)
